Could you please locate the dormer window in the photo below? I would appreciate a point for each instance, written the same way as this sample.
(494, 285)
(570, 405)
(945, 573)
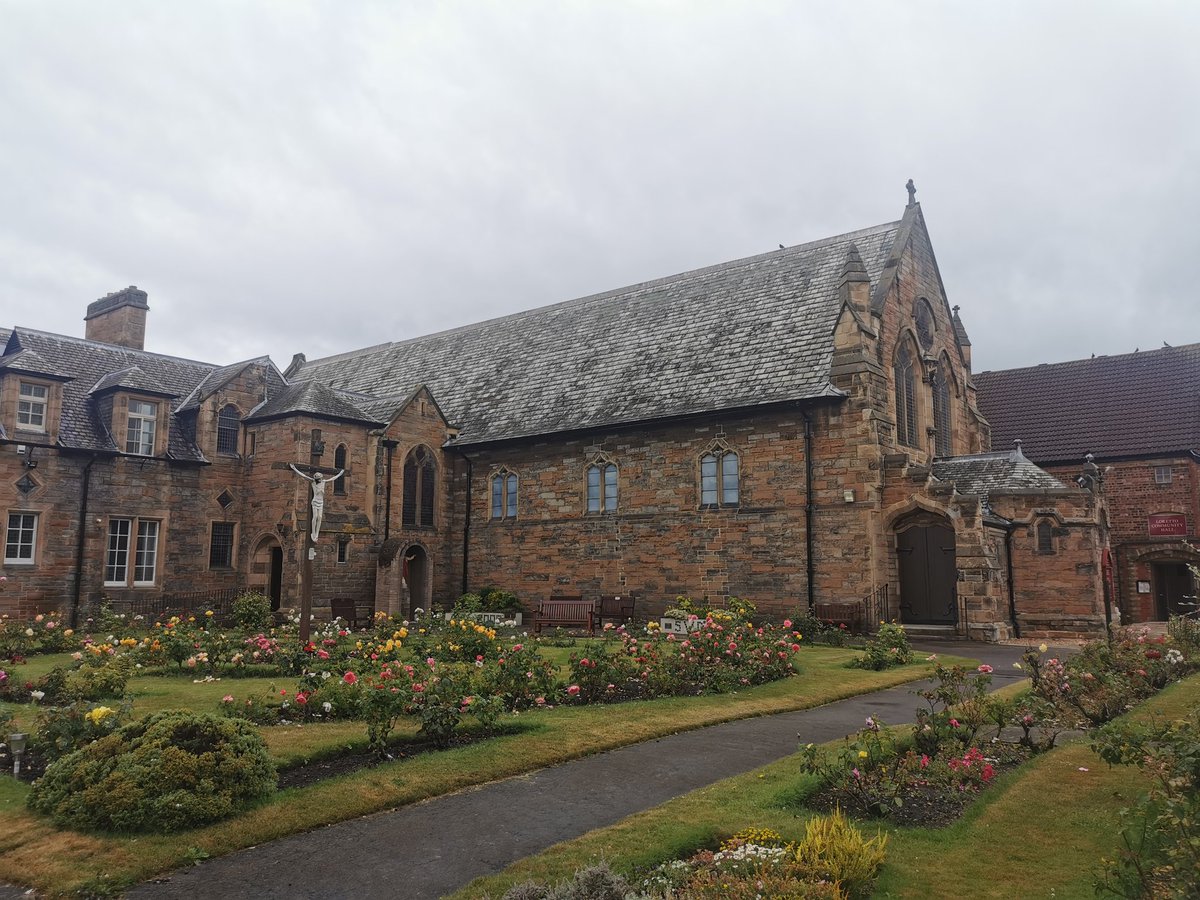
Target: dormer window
(31, 406)
(139, 434)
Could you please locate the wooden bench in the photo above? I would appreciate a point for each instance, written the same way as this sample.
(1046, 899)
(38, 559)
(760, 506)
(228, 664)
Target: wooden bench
(565, 612)
(848, 613)
(347, 610)
(619, 609)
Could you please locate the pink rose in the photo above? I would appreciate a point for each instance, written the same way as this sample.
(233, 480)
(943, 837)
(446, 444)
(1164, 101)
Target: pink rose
(350, 678)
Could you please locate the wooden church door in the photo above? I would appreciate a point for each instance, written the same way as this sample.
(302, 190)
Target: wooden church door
(928, 575)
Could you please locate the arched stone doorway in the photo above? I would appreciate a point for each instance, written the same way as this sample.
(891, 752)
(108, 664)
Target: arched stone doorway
(927, 570)
(415, 569)
(266, 570)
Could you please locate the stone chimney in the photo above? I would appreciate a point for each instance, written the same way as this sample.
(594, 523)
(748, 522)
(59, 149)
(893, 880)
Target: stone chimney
(118, 318)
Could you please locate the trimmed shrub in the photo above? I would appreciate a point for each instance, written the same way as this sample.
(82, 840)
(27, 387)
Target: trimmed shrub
(167, 772)
(252, 611)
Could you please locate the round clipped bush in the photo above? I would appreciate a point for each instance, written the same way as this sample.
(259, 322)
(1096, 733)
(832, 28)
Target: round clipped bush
(167, 772)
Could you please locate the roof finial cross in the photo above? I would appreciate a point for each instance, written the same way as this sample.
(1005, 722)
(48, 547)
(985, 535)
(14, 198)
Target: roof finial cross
(912, 192)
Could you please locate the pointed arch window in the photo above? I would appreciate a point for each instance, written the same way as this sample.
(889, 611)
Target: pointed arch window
(942, 418)
(720, 476)
(1045, 536)
(602, 486)
(420, 485)
(229, 422)
(339, 461)
(906, 395)
(504, 495)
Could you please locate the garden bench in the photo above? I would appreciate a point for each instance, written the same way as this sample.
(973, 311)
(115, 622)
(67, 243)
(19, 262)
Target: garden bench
(565, 612)
(347, 610)
(847, 612)
(617, 608)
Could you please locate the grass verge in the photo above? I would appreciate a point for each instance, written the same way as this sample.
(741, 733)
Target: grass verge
(58, 863)
(1036, 832)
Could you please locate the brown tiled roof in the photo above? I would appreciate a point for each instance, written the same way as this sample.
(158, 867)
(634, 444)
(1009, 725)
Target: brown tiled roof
(1135, 404)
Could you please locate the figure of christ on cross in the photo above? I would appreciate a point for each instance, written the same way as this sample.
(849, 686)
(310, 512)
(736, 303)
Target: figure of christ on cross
(318, 498)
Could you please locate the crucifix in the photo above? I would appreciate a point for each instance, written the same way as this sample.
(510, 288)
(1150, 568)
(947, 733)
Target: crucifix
(316, 513)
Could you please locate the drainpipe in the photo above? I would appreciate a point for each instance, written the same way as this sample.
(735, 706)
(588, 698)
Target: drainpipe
(77, 587)
(467, 524)
(1012, 588)
(387, 494)
(809, 507)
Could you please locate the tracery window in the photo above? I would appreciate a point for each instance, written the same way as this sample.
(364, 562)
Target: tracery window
(420, 482)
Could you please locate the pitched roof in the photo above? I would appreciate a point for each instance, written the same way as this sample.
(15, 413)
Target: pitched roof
(31, 363)
(132, 378)
(1134, 404)
(998, 473)
(218, 378)
(90, 362)
(315, 399)
(749, 332)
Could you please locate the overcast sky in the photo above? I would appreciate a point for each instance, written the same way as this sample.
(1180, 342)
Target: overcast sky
(317, 177)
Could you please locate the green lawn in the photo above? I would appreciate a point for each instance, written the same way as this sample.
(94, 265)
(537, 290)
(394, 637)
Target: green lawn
(57, 862)
(1037, 832)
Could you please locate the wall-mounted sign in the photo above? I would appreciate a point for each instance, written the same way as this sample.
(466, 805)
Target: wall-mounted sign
(1143, 587)
(1167, 525)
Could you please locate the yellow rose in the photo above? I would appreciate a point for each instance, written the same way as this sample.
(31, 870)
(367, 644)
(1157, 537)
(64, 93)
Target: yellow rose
(862, 754)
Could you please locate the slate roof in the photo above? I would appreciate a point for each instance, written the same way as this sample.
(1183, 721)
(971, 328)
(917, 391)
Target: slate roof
(213, 382)
(315, 399)
(1134, 404)
(89, 362)
(985, 474)
(749, 332)
(130, 379)
(31, 363)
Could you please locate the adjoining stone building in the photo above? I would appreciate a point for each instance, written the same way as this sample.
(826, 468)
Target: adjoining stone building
(793, 428)
(1138, 414)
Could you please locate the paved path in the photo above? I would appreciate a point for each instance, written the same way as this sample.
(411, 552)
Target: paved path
(432, 848)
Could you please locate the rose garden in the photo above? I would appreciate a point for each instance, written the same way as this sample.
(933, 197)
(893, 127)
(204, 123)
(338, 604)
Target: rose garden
(143, 745)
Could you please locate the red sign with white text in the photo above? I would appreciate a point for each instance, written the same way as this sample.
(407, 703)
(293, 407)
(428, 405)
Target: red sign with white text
(1167, 525)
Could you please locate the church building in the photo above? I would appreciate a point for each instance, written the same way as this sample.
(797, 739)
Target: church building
(798, 429)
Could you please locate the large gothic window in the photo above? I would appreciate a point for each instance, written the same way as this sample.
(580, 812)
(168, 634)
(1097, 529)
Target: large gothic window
(906, 395)
(420, 480)
(942, 419)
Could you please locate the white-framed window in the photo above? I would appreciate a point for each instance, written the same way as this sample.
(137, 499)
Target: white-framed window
(20, 539)
(139, 435)
(1162, 474)
(32, 401)
(602, 487)
(144, 568)
(504, 495)
(719, 478)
